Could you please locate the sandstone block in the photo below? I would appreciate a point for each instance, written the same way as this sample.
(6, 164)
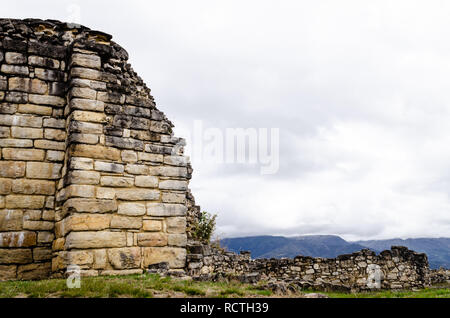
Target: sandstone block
(128, 156)
(95, 240)
(15, 58)
(53, 155)
(137, 194)
(46, 100)
(83, 177)
(120, 182)
(54, 123)
(175, 256)
(24, 186)
(87, 104)
(90, 205)
(43, 170)
(35, 109)
(122, 258)
(21, 120)
(32, 215)
(42, 254)
(168, 171)
(49, 75)
(5, 186)
(25, 201)
(80, 257)
(136, 169)
(176, 225)
(17, 239)
(106, 193)
(43, 61)
(10, 169)
(85, 128)
(89, 116)
(54, 134)
(15, 256)
(173, 185)
(152, 225)
(81, 163)
(45, 237)
(38, 225)
(152, 239)
(100, 259)
(34, 271)
(26, 132)
(121, 272)
(146, 181)
(165, 209)
(83, 93)
(177, 239)
(49, 144)
(16, 143)
(126, 222)
(144, 156)
(27, 85)
(131, 209)
(83, 191)
(86, 222)
(14, 69)
(23, 154)
(7, 272)
(172, 197)
(96, 152)
(108, 167)
(85, 60)
(16, 97)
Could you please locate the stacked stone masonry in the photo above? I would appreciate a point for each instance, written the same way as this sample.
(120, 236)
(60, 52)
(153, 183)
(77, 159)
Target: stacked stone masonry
(90, 172)
(398, 268)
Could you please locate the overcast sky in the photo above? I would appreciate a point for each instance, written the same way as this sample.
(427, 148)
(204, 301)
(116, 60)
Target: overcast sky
(360, 91)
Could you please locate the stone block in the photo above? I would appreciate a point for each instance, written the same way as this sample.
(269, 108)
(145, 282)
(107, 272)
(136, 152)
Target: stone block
(173, 185)
(25, 186)
(45, 237)
(10, 169)
(177, 239)
(87, 104)
(131, 209)
(15, 256)
(119, 182)
(47, 100)
(25, 201)
(126, 222)
(84, 93)
(8, 272)
(23, 154)
(96, 152)
(14, 69)
(146, 181)
(35, 109)
(17, 239)
(172, 197)
(89, 116)
(42, 254)
(49, 144)
(16, 143)
(136, 169)
(34, 271)
(165, 209)
(81, 163)
(95, 240)
(53, 155)
(83, 191)
(145, 156)
(84, 222)
(152, 239)
(175, 256)
(90, 205)
(43, 170)
(86, 60)
(152, 225)
(15, 58)
(54, 134)
(128, 156)
(176, 225)
(108, 167)
(5, 186)
(83, 177)
(137, 194)
(43, 61)
(168, 171)
(38, 225)
(54, 123)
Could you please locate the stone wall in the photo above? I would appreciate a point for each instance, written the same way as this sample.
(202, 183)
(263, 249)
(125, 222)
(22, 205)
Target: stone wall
(90, 173)
(399, 268)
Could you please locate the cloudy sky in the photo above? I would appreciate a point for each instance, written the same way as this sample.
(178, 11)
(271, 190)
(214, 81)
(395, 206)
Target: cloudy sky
(360, 92)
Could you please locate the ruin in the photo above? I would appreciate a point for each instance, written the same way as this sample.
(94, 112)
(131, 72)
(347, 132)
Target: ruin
(92, 175)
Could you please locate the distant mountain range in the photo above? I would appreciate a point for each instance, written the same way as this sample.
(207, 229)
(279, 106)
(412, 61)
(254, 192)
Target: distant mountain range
(329, 246)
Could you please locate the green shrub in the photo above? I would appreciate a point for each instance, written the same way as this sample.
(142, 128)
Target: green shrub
(205, 226)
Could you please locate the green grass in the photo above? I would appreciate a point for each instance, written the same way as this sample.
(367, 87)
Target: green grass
(147, 286)
(142, 286)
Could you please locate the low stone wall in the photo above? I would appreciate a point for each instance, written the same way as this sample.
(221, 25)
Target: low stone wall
(399, 268)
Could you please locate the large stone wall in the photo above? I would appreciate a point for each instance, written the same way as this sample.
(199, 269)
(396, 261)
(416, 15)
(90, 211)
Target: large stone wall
(90, 173)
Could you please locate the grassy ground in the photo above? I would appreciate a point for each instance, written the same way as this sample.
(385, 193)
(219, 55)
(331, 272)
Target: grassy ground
(155, 286)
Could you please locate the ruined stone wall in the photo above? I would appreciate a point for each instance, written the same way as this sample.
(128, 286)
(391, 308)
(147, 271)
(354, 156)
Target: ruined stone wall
(399, 267)
(90, 173)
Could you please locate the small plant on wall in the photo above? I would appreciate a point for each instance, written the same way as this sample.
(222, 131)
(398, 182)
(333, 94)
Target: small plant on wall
(205, 226)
